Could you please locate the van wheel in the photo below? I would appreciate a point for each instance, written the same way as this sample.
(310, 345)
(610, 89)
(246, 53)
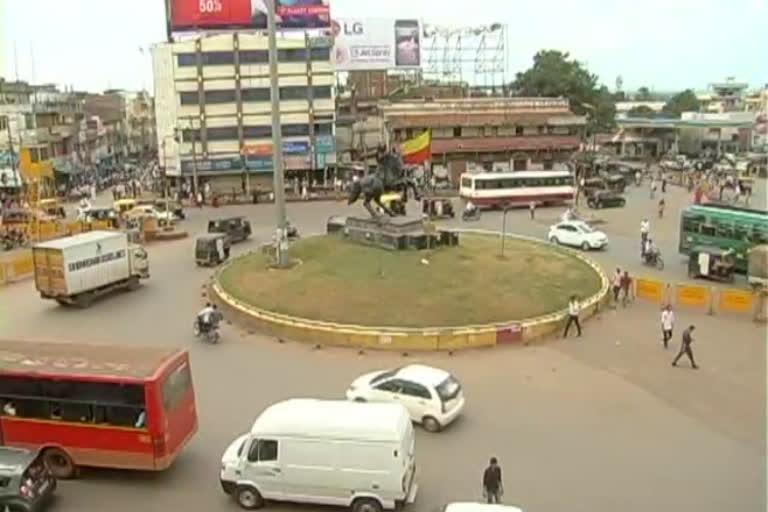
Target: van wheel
(430, 424)
(360, 400)
(366, 505)
(248, 497)
(84, 300)
(59, 463)
(133, 284)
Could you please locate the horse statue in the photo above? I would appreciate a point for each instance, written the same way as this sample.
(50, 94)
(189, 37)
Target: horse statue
(389, 176)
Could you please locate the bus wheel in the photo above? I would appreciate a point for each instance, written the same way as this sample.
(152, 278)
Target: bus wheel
(248, 497)
(59, 463)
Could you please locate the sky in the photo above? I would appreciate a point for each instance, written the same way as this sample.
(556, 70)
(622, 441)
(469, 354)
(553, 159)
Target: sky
(666, 45)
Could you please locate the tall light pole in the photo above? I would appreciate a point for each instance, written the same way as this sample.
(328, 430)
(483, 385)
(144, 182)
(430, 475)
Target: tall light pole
(281, 249)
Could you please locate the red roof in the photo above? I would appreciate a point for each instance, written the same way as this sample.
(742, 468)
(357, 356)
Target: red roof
(471, 119)
(521, 143)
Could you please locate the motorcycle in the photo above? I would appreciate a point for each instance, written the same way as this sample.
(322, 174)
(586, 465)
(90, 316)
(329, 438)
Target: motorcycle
(470, 215)
(209, 332)
(653, 259)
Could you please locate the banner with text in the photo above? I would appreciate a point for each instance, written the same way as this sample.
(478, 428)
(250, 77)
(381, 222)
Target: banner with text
(222, 14)
(376, 44)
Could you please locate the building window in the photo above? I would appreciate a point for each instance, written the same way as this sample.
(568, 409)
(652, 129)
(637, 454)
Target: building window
(189, 135)
(254, 57)
(321, 91)
(223, 96)
(320, 53)
(292, 55)
(323, 129)
(297, 92)
(188, 98)
(295, 130)
(252, 95)
(457, 131)
(186, 60)
(222, 133)
(408, 133)
(217, 58)
(542, 129)
(29, 121)
(518, 130)
(257, 132)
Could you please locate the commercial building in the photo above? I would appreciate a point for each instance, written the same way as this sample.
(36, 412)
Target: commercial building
(493, 133)
(213, 110)
(726, 96)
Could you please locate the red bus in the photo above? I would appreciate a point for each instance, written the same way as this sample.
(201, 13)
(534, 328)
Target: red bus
(96, 405)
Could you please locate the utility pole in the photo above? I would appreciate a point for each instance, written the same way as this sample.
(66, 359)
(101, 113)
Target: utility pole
(311, 100)
(194, 159)
(277, 140)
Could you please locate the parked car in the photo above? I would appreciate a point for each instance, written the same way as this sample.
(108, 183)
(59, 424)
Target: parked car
(147, 210)
(433, 397)
(605, 199)
(577, 233)
(26, 483)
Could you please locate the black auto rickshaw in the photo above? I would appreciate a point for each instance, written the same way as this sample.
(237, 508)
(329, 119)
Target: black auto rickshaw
(711, 263)
(616, 183)
(237, 229)
(437, 208)
(211, 249)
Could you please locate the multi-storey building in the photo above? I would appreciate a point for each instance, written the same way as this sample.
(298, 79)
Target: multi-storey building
(213, 110)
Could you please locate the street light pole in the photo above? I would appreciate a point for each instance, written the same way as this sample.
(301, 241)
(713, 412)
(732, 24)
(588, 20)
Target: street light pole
(281, 248)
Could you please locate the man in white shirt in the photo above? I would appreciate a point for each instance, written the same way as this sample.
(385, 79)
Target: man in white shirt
(573, 316)
(667, 323)
(205, 316)
(645, 228)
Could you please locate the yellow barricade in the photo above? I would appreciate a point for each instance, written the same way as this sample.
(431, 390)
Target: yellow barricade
(100, 225)
(693, 295)
(649, 289)
(23, 264)
(738, 301)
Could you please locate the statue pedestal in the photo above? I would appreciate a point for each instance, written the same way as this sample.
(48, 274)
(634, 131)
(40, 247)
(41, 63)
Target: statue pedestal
(397, 233)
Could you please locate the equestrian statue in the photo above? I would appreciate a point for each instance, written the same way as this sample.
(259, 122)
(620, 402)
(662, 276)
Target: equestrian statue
(389, 176)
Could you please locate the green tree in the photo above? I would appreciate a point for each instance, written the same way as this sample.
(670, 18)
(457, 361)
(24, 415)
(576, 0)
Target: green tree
(643, 94)
(554, 74)
(641, 111)
(685, 101)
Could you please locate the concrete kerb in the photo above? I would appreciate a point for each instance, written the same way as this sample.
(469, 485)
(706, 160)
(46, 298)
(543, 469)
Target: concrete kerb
(451, 338)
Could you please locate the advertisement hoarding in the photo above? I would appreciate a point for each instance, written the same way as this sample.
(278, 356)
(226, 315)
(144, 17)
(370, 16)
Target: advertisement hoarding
(376, 44)
(252, 14)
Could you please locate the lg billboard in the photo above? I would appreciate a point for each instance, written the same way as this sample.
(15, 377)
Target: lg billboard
(185, 15)
(376, 44)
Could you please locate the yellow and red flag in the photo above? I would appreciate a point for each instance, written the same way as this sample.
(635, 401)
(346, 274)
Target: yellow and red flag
(418, 149)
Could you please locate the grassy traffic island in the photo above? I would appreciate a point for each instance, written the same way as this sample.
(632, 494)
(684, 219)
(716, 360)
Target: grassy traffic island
(344, 282)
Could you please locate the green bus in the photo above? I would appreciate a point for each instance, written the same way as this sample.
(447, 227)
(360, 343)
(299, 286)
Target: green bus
(723, 226)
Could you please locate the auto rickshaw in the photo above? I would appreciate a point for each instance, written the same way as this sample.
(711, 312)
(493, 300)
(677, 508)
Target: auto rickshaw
(51, 206)
(616, 183)
(437, 208)
(394, 201)
(237, 229)
(211, 249)
(711, 263)
(123, 206)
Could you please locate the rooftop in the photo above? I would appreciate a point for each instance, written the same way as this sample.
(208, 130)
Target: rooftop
(303, 417)
(82, 359)
(82, 238)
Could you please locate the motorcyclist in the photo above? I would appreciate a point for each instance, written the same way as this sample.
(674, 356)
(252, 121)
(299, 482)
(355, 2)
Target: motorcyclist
(470, 210)
(206, 317)
(651, 251)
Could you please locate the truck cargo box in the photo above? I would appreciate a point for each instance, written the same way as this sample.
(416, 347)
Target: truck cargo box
(76, 264)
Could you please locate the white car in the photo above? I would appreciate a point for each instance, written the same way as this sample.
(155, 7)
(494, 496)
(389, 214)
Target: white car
(479, 507)
(578, 234)
(433, 397)
(150, 211)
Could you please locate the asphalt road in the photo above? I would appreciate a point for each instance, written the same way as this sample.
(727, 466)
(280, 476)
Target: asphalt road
(599, 424)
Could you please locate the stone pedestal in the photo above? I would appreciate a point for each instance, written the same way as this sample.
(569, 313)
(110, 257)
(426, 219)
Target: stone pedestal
(396, 233)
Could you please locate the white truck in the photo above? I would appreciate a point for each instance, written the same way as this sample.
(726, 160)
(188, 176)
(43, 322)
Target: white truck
(77, 269)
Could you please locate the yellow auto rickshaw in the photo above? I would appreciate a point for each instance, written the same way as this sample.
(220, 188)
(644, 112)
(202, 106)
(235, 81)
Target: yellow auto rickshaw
(122, 206)
(50, 206)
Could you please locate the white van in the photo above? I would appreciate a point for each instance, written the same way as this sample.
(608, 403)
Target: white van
(330, 452)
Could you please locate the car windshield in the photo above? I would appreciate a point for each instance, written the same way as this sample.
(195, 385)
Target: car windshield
(384, 376)
(449, 388)
(584, 228)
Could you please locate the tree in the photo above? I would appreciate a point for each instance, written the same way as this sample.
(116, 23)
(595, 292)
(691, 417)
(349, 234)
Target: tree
(554, 74)
(685, 101)
(641, 111)
(643, 94)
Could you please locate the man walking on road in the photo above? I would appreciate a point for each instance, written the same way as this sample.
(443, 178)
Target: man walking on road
(573, 316)
(667, 323)
(616, 286)
(685, 347)
(493, 489)
(532, 209)
(626, 288)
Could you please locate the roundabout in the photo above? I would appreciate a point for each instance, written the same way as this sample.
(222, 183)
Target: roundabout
(344, 293)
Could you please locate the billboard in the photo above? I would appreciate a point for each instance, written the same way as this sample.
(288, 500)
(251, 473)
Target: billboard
(251, 14)
(376, 44)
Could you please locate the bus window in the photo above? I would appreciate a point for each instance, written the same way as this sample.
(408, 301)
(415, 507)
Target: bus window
(691, 223)
(723, 229)
(707, 229)
(176, 387)
(741, 233)
(759, 235)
